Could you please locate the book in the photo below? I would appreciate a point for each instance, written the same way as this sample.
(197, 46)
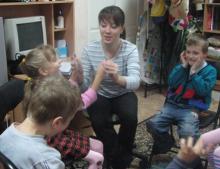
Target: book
(216, 18)
(209, 19)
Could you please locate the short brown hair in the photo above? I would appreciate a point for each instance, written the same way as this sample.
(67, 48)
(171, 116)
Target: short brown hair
(198, 39)
(112, 13)
(50, 97)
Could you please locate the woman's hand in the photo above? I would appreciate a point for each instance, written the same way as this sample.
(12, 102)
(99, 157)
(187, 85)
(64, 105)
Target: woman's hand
(110, 67)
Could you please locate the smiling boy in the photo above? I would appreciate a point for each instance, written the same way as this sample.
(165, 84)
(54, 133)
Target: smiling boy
(189, 92)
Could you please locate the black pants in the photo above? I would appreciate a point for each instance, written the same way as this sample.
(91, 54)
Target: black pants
(116, 146)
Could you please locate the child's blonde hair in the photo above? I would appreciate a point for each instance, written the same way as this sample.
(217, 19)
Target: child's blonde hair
(39, 57)
(50, 97)
(198, 39)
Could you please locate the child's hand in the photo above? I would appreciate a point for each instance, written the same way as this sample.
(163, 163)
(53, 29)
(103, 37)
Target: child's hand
(98, 77)
(200, 149)
(100, 71)
(184, 59)
(186, 152)
(77, 72)
(198, 63)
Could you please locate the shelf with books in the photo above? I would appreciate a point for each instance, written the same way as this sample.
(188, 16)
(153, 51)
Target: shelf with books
(211, 17)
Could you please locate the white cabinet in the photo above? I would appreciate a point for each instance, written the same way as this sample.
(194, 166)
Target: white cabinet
(86, 19)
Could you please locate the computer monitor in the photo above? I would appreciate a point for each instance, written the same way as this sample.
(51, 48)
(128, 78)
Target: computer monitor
(23, 34)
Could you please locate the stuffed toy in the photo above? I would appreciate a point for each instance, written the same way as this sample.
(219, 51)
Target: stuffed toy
(178, 14)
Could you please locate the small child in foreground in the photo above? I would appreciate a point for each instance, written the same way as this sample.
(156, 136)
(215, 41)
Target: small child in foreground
(50, 104)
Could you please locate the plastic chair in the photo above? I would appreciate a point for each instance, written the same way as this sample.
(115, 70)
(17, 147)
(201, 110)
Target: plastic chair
(6, 163)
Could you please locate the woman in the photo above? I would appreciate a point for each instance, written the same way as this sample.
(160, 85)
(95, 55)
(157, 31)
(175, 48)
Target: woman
(115, 95)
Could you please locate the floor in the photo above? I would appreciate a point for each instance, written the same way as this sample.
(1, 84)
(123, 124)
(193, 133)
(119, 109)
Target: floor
(149, 105)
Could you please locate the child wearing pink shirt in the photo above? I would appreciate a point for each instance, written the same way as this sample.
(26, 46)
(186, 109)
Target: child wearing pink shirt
(212, 137)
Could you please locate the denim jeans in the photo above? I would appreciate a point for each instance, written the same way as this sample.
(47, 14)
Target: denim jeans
(186, 120)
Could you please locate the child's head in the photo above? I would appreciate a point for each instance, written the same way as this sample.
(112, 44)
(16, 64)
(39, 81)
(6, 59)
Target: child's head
(51, 101)
(41, 61)
(196, 48)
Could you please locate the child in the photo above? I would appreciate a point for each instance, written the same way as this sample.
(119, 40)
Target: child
(212, 137)
(188, 155)
(41, 62)
(189, 92)
(50, 104)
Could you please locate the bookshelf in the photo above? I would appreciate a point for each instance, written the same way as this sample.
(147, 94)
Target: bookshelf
(48, 9)
(211, 22)
(211, 27)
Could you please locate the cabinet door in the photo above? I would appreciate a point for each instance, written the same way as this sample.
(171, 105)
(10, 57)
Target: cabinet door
(130, 7)
(94, 8)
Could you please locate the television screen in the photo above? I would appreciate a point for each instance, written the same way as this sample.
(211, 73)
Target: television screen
(30, 35)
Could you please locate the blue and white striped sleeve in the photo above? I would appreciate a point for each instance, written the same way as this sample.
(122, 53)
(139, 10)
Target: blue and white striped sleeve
(133, 70)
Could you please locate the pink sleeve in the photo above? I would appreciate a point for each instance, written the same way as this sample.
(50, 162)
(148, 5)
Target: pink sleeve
(211, 137)
(89, 97)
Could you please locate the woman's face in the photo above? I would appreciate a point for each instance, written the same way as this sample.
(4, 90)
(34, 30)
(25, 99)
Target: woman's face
(110, 32)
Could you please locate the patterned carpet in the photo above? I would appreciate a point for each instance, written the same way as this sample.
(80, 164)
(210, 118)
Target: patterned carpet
(143, 142)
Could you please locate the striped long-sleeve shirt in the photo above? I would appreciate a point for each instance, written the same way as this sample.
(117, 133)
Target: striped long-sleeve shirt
(128, 65)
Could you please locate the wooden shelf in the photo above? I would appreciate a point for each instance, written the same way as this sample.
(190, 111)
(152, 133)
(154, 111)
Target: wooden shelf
(212, 31)
(59, 29)
(212, 60)
(211, 26)
(215, 4)
(34, 3)
(49, 10)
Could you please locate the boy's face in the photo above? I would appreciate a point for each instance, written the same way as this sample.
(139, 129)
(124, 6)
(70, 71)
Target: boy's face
(194, 54)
